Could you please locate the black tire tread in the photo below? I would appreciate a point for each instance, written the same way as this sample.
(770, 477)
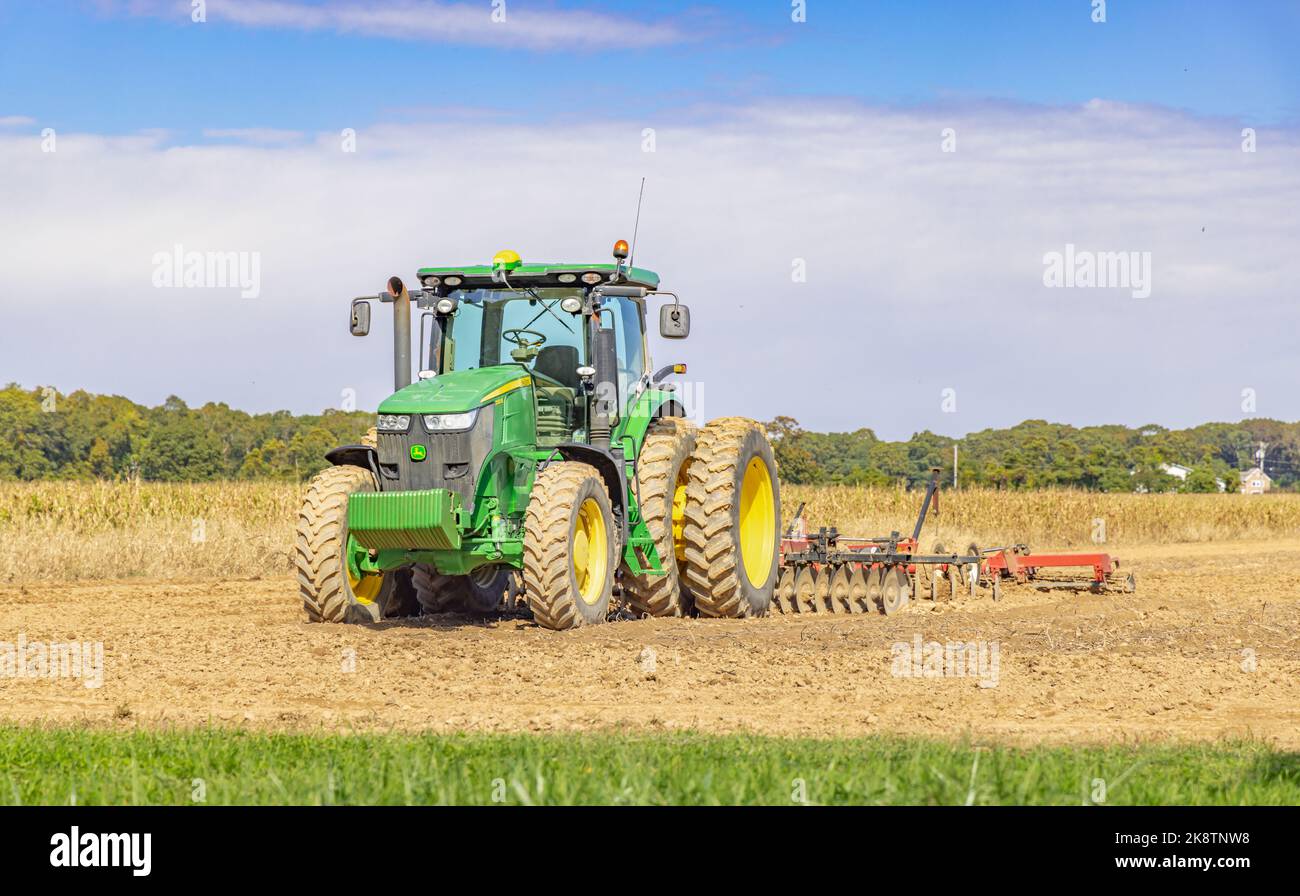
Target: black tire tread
(712, 554)
(656, 470)
(546, 543)
(318, 554)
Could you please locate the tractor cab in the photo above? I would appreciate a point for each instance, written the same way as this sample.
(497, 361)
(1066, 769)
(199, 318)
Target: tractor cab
(577, 331)
(529, 331)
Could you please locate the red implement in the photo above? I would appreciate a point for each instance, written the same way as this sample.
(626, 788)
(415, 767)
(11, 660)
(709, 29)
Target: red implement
(1022, 566)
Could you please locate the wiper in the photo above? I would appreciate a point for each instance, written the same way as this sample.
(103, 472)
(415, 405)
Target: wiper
(545, 307)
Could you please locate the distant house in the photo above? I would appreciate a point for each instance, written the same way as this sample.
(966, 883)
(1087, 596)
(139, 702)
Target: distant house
(1255, 482)
(1179, 472)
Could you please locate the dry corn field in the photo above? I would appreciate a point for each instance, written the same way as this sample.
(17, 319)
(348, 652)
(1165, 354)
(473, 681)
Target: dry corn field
(103, 530)
(1050, 519)
(99, 530)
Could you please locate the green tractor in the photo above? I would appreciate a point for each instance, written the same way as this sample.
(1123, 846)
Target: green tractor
(537, 457)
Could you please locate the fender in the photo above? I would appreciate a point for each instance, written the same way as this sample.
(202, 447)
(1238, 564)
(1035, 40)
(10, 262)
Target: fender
(611, 470)
(362, 456)
(653, 404)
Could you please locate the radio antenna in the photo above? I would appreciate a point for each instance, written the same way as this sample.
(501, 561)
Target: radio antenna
(636, 226)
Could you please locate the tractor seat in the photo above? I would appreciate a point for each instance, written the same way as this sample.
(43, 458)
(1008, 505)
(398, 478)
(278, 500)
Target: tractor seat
(558, 363)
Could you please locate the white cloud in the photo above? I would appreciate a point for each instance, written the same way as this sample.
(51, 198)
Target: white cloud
(254, 135)
(522, 25)
(924, 268)
(16, 121)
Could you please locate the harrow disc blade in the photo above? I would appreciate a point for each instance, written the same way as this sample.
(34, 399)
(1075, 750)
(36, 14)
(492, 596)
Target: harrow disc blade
(840, 601)
(896, 591)
(783, 596)
(973, 570)
(822, 593)
(805, 587)
(858, 600)
(875, 588)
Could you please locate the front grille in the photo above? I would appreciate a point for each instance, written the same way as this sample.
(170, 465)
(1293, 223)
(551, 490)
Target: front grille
(453, 462)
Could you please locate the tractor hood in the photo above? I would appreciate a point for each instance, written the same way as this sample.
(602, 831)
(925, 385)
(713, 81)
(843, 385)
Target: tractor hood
(462, 390)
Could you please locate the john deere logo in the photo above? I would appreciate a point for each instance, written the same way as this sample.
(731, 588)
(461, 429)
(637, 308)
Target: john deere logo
(419, 452)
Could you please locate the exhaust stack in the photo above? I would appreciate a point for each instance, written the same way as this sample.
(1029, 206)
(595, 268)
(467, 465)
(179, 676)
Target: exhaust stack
(401, 333)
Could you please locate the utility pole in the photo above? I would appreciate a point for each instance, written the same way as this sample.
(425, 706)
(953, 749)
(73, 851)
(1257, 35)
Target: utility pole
(954, 465)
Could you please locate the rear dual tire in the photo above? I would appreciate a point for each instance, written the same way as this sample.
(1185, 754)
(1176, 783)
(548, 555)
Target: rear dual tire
(712, 503)
(732, 520)
(662, 472)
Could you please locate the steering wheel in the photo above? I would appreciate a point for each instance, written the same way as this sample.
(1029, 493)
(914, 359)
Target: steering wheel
(525, 349)
(516, 337)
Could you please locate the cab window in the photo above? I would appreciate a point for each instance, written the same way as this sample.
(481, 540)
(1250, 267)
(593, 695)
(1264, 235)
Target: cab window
(624, 315)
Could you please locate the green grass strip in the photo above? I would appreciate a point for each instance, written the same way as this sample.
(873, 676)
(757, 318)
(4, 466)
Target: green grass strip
(219, 766)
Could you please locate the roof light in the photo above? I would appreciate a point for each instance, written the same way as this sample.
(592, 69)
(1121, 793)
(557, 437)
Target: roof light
(451, 281)
(591, 277)
(567, 278)
(620, 250)
(430, 281)
(506, 259)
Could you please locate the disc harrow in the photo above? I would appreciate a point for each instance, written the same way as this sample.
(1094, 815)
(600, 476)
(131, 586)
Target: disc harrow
(828, 572)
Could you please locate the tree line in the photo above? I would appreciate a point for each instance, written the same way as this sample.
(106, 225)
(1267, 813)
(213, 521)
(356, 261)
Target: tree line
(1038, 454)
(48, 435)
(45, 434)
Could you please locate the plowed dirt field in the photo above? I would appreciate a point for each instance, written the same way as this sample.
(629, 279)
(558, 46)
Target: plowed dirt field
(1207, 648)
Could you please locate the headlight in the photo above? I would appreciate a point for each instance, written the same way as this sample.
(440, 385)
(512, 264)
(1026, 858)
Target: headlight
(394, 422)
(450, 422)
(571, 304)
(446, 306)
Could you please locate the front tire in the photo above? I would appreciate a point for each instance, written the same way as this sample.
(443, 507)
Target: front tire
(330, 590)
(662, 478)
(570, 547)
(733, 520)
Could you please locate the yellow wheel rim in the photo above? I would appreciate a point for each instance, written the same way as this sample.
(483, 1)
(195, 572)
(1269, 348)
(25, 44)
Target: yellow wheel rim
(365, 588)
(679, 515)
(757, 522)
(590, 552)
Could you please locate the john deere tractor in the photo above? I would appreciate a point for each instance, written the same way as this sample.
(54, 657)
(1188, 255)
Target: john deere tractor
(536, 457)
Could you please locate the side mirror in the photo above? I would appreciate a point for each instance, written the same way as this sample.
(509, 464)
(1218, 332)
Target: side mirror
(360, 324)
(674, 321)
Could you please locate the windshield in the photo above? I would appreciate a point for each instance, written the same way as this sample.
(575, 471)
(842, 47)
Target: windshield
(501, 326)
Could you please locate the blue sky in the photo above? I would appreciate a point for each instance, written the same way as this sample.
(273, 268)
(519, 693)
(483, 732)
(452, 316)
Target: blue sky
(779, 146)
(101, 67)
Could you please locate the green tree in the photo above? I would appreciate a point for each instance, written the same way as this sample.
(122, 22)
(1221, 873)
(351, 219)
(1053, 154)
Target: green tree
(1201, 479)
